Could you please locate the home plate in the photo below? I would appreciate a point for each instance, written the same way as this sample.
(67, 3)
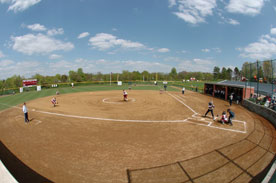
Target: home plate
(33, 110)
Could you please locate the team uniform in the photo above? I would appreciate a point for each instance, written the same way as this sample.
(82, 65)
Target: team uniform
(54, 101)
(125, 95)
(211, 107)
(183, 90)
(231, 116)
(224, 118)
(25, 111)
(230, 99)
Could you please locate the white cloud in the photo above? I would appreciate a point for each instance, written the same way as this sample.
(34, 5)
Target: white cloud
(228, 20)
(83, 35)
(54, 32)
(36, 27)
(273, 31)
(163, 50)
(1, 54)
(25, 68)
(233, 22)
(30, 44)
(205, 50)
(5, 63)
(103, 41)
(107, 66)
(195, 65)
(172, 3)
(246, 7)
(54, 56)
(193, 11)
(264, 48)
(19, 5)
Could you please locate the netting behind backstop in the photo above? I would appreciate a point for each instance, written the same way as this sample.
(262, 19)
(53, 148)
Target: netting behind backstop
(261, 76)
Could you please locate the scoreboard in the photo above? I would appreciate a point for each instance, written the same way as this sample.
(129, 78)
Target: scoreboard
(29, 82)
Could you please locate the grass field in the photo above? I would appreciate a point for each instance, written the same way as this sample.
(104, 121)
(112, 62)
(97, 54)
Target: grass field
(12, 100)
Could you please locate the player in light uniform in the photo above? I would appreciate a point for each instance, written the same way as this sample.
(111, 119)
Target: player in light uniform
(25, 111)
(223, 117)
(183, 90)
(54, 101)
(125, 95)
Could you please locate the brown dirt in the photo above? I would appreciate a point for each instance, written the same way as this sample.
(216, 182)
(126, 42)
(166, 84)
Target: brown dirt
(74, 149)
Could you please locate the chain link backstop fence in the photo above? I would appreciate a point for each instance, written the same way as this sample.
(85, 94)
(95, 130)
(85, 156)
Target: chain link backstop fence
(262, 76)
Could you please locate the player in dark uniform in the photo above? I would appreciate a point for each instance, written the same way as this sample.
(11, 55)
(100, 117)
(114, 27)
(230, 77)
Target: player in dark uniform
(211, 107)
(231, 116)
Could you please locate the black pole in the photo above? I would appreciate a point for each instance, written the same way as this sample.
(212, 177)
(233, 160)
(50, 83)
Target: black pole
(250, 72)
(271, 78)
(257, 78)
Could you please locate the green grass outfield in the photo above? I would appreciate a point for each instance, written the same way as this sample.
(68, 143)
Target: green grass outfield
(13, 100)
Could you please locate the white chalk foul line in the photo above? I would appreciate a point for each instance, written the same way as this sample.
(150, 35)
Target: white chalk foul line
(182, 103)
(109, 119)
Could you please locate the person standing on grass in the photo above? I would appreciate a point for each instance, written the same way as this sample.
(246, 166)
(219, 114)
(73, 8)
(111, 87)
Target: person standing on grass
(211, 107)
(25, 111)
(183, 90)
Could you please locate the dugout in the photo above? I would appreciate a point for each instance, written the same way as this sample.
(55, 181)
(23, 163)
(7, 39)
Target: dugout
(223, 91)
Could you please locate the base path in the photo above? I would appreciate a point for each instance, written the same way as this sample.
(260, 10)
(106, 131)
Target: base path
(96, 137)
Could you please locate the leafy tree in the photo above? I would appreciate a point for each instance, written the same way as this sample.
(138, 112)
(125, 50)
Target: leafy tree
(99, 76)
(245, 71)
(64, 78)
(173, 73)
(267, 70)
(135, 75)
(223, 73)
(216, 73)
(229, 73)
(145, 75)
(81, 75)
(236, 73)
(125, 75)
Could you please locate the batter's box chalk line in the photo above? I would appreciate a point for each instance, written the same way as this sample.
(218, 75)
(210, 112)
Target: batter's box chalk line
(36, 121)
(208, 122)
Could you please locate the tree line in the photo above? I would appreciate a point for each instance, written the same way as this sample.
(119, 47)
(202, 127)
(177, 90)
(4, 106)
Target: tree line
(80, 76)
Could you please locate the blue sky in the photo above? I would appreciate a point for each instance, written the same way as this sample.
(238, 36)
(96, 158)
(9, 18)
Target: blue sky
(50, 37)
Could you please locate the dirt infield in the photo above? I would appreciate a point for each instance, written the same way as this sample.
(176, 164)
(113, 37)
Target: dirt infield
(97, 137)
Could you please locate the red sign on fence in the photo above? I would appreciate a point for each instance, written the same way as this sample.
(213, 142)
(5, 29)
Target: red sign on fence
(29, 82)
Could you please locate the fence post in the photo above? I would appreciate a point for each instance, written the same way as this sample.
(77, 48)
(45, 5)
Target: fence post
(271, 78)
(250, 77)
(257, 78)
(245, 83)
